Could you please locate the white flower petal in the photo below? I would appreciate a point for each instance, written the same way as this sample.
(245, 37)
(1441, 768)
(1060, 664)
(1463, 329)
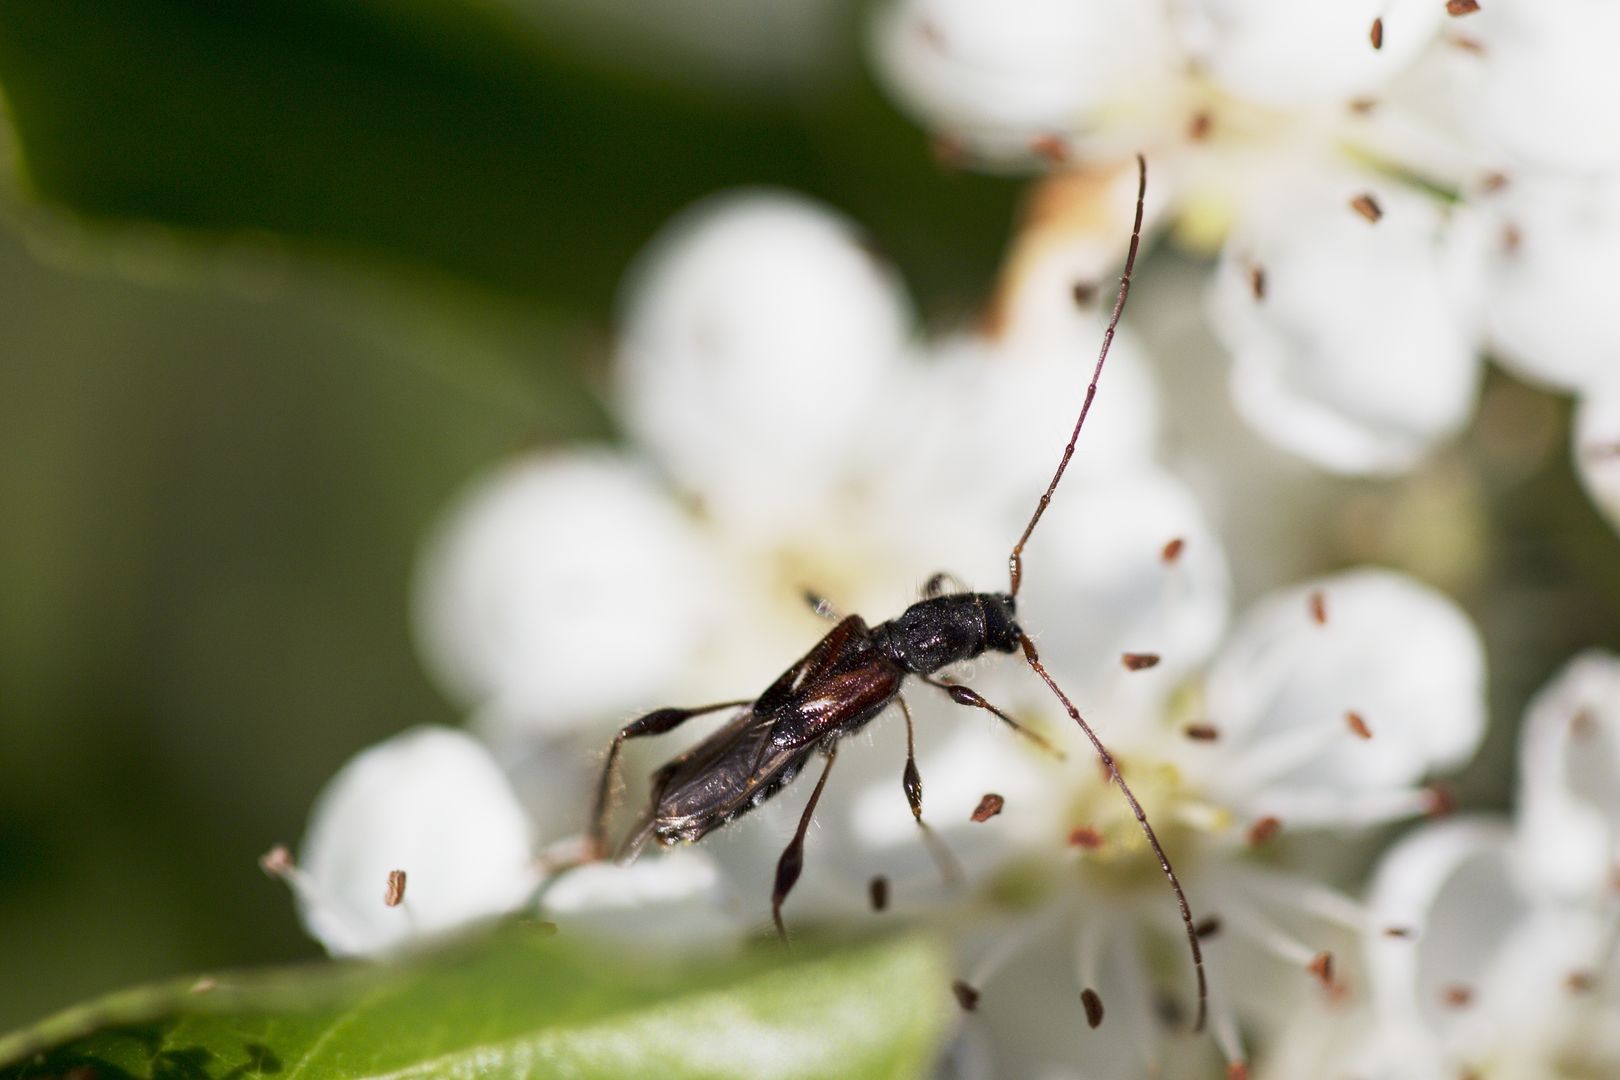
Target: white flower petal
(1442, 901)
(961, 758)
(1471, 923)
(1543, 83)
(756, 336)
(1359, 352)
(1003, 75)
(1597, 449)
(561, 590)
(1284, 53)
(990, 419)
(1401, 656)
(430, 802)
(1099, 586)
(1570, 777)
(669, 901)
(1551, 313)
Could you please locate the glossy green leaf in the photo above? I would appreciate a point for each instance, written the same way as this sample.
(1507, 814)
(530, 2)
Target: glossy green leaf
(518, 1004)
(445, 132)
(448, 136)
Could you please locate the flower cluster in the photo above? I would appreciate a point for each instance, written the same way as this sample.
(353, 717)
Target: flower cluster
(1395, 188)
(1389, 199)
(788, 433)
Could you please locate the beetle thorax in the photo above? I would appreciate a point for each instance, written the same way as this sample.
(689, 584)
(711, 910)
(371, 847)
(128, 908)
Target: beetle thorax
(944, 630)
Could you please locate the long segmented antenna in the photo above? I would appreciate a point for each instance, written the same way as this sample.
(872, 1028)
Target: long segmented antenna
(1015, 561)
(1015, 567)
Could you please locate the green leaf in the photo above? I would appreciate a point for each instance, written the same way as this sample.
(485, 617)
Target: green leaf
(449, 133)
(453, 137)
(519, 1003)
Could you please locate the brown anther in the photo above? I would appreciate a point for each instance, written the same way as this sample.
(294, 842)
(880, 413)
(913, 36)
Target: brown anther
(1579, 982)
(81, 1072)
(277, 861)
(1358, 726)
(1207, 927)
(878, 892)
(1321, 966)
(1172, 551)
(1367, 206)
(966, 996)
(1363, 106)
(1262, 831)
(394, 895)
(1199, 127)
(1457, 996)
(1201, 732)
(1139, 661)
(988, 807)
(930, 32)
(1512, 239)
(1237, 1070)
(1093, 1006)
(1084, 293)
(1257, 282)
(1376, 35)
(1318, 603)
(1466, 44)
(1399, 932)
(1461, 7)
(1085, 838)
(204, 984)
(1492, 182)
(1440, 800)
(1051, 147)
(1583, 725)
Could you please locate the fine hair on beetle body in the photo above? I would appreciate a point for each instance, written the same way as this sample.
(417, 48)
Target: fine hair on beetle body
(848, 678)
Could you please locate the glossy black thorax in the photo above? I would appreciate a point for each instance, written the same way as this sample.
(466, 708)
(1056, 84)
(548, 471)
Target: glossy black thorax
(944, 630)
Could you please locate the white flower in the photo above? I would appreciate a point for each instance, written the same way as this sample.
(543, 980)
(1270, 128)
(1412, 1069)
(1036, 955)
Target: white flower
(1538, 81)
(433, 804)
(1492, 947)
(1326, 709)
(1353, 343)
(1291, 696)
(1356, 333)
(772, 308)
(1550, 308)
(1569, 784)
(542, 598)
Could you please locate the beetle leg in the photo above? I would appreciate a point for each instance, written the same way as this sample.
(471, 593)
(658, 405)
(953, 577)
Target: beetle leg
(949, 870)
(654, 723)
(791, 864)
(963, 695)
(822, 606)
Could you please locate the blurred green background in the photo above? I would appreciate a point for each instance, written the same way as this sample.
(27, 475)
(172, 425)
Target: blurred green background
(277, 278)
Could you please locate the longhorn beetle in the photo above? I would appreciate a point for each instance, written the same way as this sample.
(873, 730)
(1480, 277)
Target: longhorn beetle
(843, 683)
